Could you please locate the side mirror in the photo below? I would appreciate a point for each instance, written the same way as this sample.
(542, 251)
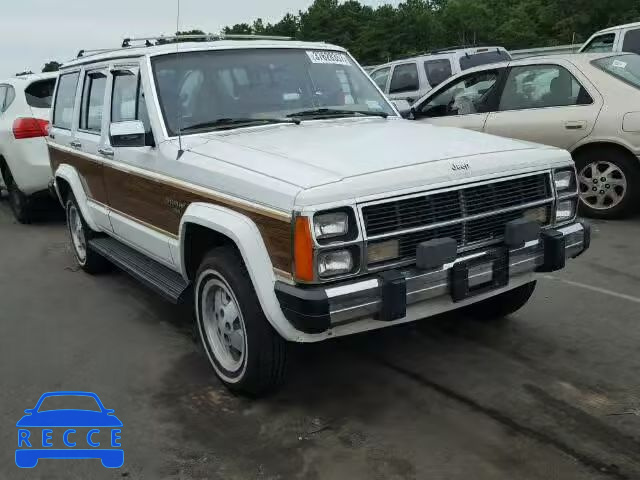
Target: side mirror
(403, 107)
(127, 134)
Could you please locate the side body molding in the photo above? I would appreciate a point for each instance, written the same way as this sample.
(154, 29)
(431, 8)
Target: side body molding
(71, 176)
(246, 235)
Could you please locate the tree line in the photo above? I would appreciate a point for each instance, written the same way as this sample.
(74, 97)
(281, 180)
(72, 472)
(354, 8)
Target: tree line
(377, 35)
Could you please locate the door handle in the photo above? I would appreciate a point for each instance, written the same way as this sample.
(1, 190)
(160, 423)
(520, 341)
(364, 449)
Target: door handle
(106, 151)
(577, 125)
(75, 144)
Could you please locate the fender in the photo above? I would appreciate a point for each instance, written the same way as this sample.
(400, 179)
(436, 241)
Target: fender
(70, 175)
(619, 141)
(245, 234)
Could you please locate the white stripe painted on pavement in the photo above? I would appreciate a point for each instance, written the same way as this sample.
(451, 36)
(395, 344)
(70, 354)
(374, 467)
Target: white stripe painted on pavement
(594, 289)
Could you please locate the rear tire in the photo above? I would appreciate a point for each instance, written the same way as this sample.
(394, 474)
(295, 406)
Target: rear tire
(19, 202)
(246, 353)
(502, 305)
(615, 197)
(80, 233)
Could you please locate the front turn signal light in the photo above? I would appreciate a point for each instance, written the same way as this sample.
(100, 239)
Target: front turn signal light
(303, 250)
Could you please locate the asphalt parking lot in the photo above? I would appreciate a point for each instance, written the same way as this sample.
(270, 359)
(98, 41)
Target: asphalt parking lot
(553, 392)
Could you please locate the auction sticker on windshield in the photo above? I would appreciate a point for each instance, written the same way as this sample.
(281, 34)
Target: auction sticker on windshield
(323, 56)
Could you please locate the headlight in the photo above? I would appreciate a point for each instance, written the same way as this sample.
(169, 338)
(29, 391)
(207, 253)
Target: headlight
(565, 180)
(565, 210)
(333, 263)
(331, 225)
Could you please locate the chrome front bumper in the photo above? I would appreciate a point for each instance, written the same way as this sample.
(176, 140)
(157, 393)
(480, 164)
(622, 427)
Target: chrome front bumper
(315, 310)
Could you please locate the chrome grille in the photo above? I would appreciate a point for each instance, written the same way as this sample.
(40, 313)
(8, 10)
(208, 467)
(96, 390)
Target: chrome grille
(472, 214)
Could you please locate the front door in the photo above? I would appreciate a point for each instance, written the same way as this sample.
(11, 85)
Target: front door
(129, 178)
(463, 102)
(546, 104)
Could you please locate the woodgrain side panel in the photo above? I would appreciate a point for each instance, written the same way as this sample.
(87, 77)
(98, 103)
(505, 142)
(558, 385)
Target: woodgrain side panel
(91, 172)
(161, 205)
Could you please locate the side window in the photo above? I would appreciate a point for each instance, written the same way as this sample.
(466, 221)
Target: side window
(601, 43)
(128, 101)
(437, 71)
(39, 94)
(471, 94)
(405, 78)
(92, 105)
(11, 96)
(631, 42)
(380, 77)
(3, 94)
(65, 99)
(540, 86)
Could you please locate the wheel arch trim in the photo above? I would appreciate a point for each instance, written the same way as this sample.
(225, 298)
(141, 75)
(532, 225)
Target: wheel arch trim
(246, 236)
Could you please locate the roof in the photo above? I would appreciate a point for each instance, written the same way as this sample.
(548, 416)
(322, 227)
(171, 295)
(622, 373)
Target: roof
(32, 77)
(441, 53)
(133, 52)
(618, 27)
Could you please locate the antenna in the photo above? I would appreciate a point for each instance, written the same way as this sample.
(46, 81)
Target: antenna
(180, 150)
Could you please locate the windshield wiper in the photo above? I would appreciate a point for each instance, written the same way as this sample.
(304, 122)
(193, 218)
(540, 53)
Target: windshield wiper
(228, 123)
(333, 112)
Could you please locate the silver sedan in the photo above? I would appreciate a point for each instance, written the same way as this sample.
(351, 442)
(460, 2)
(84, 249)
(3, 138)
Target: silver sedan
(588, 104)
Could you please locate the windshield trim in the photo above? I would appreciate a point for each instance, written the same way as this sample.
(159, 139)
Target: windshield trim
(595, 64)
(153, 56)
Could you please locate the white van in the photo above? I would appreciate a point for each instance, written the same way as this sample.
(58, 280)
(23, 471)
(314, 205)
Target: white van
(411, 78)
(622, 38)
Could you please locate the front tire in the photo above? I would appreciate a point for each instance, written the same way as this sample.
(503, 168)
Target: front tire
(246, 353)
(80, 233)
(609, 182)
(503, 304)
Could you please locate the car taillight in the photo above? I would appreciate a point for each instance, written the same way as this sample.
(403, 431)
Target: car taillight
(30, 128)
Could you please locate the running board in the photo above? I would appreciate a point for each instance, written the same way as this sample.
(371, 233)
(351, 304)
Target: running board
(153, 274)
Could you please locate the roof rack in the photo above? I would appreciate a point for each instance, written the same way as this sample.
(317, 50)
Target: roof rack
(153, 41)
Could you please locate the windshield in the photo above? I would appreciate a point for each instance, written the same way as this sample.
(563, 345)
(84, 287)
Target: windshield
(200, 89)
(483, 58)
(623, 67)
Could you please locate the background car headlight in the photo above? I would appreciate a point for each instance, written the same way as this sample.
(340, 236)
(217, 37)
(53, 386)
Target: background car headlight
(331, 225)
(565, 210)
(333, 263)
(565, 180)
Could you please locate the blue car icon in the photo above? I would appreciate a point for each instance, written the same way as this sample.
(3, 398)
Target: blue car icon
(33, 446)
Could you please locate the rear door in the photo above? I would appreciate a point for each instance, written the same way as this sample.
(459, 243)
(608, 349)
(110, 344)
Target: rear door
(405, 82)
(463, 102)
(545, 103)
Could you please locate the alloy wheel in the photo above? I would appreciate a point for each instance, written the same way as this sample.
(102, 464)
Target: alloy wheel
(603, 185)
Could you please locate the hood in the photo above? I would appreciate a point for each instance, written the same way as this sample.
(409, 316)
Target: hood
(392, 153)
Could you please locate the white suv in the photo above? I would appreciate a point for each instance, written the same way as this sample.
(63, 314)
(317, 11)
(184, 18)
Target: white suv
(621, 38)
(272, 184)
(25, 171)
(411, 78)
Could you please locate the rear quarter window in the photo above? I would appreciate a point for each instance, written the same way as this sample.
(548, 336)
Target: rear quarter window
(623, 67)
(40, 94)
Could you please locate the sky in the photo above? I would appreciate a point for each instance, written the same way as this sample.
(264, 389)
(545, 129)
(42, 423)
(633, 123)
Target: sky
(33, 32)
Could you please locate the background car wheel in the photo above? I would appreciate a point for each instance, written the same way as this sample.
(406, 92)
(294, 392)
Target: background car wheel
(502, 305)
(247, 354)
(608, 179)
(19, 202)
(89, 260)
